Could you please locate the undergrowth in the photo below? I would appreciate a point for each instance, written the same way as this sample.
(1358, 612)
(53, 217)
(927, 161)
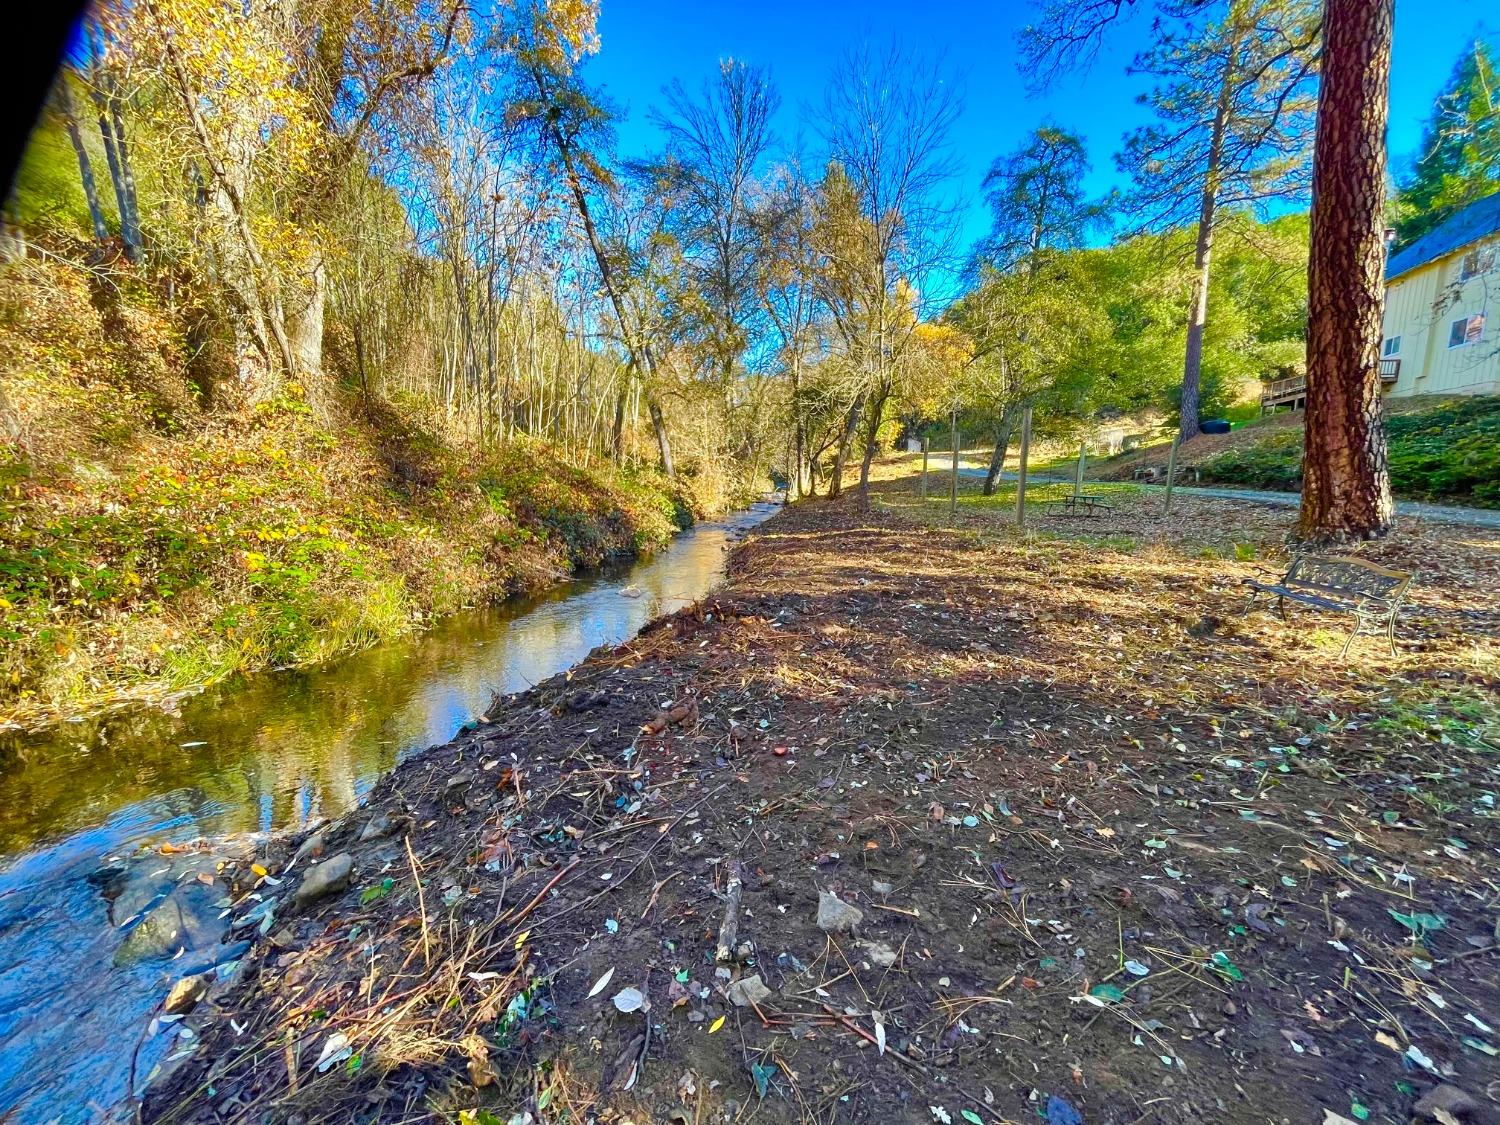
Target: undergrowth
(1450, 453)
(156, 540)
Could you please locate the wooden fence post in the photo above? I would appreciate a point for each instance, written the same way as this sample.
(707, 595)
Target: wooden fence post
(924, 468)
(1021, 469)
(953, 486)
(1172, 470)
(1078, 476)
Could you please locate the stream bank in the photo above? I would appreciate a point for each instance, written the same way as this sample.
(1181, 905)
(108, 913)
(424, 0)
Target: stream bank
(244, 761)
(903, 825)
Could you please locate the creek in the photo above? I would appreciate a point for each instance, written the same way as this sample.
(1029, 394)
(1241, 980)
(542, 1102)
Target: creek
(256, 755)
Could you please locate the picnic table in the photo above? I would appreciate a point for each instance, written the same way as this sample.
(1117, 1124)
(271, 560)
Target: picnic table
(1089, 507)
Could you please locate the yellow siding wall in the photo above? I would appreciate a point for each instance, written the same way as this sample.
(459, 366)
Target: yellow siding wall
(1420, 307)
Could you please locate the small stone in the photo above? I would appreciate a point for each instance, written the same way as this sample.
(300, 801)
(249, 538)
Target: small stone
(310, 848)
(186, 993)
(328, 877)
(378, 827)
(882, 888)
(696, 1016)
(748, 990)
(836, 916)
(458, 783)
(880, 953)
(1445, 1098)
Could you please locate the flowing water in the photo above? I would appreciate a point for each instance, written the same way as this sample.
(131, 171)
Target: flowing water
(252, 756)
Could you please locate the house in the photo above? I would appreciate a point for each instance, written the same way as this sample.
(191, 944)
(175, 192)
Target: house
(1441, 295)
(1442, 313)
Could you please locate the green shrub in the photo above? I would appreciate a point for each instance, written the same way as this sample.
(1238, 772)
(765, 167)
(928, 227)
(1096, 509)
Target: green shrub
(1449, 453)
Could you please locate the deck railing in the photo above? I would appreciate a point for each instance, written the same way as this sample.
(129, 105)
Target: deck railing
(1280, 392)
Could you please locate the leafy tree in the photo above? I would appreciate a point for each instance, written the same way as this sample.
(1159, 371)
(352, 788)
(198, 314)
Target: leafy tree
(1459, 161)
(1234, 122)
(1038, 212)
(1036, 199)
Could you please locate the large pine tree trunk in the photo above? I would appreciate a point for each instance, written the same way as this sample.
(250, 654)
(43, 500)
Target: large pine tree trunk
(1346, 489)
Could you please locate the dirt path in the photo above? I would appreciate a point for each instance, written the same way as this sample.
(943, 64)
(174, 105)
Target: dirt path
(1115, 853)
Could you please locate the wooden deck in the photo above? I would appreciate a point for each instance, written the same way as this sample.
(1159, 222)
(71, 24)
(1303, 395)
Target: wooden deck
(1293, 392)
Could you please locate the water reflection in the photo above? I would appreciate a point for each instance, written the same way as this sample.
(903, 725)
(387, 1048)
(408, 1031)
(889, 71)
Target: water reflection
(254, 755)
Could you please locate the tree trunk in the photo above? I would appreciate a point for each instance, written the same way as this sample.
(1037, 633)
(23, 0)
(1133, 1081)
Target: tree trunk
(872, 441)
(799, 427)
(1192, 360)
(617, 432)
(1346, 489)
(846, 438)
(997, 458)
(663, 446)
(130, 215)
(307, 326)
(85, 169)
(106, 98)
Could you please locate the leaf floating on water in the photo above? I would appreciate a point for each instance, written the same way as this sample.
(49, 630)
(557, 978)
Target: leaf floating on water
(603, 982)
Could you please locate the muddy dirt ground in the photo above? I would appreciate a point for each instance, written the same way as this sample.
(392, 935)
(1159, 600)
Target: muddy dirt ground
(1005, 830)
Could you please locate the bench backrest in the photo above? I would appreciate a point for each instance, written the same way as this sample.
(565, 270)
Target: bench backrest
(1341, 574)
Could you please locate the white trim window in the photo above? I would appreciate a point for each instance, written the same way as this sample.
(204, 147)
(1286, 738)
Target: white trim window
(1392, 346)
(1466, 330)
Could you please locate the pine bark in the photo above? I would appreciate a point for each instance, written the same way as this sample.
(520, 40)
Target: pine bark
(1346, 492)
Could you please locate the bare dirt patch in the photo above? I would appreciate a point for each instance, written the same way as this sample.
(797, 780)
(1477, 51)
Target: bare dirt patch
(1121, 853)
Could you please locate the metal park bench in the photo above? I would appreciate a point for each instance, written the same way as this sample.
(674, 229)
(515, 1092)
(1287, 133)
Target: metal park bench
(1339, 584)
(1087, 506)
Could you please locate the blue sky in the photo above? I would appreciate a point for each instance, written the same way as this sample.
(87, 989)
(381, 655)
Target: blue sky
(647, 43)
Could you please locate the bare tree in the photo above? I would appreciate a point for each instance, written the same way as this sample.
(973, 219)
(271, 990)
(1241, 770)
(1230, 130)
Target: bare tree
(886, 121)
